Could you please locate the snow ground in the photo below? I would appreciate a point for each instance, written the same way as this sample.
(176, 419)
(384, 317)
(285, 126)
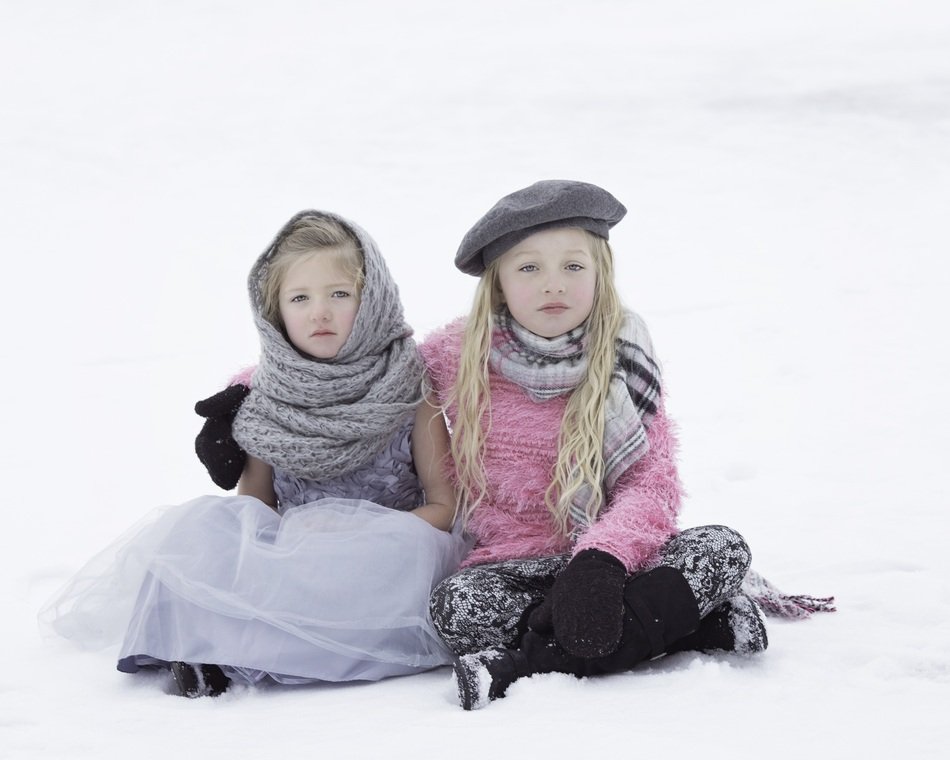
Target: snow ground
(784, 164)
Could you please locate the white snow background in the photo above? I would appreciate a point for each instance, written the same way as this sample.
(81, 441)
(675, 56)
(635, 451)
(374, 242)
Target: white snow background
(784, 164)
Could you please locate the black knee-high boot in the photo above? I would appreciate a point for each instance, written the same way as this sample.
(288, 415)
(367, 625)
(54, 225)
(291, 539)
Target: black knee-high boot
(736, 626)
(485, 676)
(659, 608)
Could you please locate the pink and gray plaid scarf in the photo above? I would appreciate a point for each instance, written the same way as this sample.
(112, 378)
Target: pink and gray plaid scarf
(550, 367)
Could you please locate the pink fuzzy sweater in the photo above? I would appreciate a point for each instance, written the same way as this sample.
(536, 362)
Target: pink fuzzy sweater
(521, 450)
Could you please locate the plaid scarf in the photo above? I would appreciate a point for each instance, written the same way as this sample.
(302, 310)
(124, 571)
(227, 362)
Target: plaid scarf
(550, 367)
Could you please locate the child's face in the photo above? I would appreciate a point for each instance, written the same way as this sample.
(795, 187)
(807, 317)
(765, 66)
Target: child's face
(548, 280)
(318, 304)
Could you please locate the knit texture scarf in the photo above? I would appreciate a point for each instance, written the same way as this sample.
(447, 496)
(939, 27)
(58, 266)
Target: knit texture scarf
(550, 367)
(320, 419)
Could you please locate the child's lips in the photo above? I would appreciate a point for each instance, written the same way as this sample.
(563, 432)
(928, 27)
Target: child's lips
(554, 308)
(321, 333)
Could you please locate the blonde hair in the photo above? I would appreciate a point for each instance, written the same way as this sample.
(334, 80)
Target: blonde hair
(580, 460)
(309, 236)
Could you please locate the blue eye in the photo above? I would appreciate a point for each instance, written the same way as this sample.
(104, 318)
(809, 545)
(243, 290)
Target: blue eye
(340, 294)
(528, 268)
(575, 267)
(298, 299)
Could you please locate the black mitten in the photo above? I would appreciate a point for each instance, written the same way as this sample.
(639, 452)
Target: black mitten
(215, 445)
(587, 604)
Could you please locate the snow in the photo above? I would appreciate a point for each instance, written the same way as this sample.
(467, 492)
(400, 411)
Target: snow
(787, 170)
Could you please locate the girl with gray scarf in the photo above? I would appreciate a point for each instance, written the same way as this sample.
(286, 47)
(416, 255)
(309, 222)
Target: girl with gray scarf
(320, 568)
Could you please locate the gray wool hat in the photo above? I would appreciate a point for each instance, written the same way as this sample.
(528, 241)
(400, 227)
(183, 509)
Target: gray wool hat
(545, 204)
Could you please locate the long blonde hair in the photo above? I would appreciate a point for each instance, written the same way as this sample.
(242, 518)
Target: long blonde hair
(580, 460)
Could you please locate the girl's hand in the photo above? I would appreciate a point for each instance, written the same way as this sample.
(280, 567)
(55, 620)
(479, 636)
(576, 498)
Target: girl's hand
(215, 446)
(439, 516)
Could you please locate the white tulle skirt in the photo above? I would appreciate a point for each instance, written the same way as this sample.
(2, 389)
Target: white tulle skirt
(334, 590)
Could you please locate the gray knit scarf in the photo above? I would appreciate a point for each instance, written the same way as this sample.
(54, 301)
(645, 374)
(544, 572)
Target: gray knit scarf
(320, 419)
(549, 367)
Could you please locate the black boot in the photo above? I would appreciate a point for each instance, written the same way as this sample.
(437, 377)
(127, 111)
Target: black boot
(199, 680)
(485, 676)
(659, 609)
(734, 626)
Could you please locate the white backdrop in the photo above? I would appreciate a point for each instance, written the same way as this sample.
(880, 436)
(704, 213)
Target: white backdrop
(787, 168)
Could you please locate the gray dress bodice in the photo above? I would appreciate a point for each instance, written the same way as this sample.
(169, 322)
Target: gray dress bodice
(389, 480)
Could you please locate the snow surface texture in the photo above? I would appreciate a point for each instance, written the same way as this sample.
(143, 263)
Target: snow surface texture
(787, 169)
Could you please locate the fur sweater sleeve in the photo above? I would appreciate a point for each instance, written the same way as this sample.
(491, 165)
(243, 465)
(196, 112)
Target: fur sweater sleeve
(244, 377)
(642, 507)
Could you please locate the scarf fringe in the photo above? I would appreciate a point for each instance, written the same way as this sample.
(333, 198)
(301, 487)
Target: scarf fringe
(789, 606)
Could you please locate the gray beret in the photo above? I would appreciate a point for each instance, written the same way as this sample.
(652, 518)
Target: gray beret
(545, 204)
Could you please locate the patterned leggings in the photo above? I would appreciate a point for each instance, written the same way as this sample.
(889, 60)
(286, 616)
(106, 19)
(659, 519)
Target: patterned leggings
(488, 605)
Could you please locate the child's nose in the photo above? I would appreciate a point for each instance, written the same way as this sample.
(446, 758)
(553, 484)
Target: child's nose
(554, 284)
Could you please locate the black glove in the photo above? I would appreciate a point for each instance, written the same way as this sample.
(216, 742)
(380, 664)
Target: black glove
(215, 446)
(585, 606)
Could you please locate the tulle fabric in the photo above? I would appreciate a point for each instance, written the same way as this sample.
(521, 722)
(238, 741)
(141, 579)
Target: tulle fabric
(332, 590)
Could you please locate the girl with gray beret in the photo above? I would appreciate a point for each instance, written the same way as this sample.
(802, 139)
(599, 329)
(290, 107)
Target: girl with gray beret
(320, 568)
(565, 463)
